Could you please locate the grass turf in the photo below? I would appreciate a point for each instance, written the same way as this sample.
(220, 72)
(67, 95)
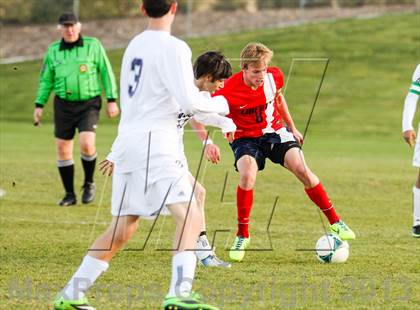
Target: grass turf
(353, 144)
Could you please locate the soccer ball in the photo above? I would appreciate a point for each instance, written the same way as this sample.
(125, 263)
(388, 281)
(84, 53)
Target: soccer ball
(331, 249)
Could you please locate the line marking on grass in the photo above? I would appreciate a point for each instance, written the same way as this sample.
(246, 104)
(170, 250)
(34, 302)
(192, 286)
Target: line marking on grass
(101, 199)
(116, 223)
(308, 122)
(31, 221)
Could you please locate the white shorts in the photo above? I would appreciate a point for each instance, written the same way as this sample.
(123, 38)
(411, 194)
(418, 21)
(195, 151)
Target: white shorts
(416, 158)
(168, 185)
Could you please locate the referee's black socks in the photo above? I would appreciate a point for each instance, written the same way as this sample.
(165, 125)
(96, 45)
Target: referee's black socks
(66, 169)
(88, 163)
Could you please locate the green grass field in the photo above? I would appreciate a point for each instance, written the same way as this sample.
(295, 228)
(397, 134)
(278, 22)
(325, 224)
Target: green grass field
(353, 144)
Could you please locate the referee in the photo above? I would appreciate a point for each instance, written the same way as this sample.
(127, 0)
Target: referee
(73, 67)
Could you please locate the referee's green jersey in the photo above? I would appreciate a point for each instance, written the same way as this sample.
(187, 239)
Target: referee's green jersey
(75, 73)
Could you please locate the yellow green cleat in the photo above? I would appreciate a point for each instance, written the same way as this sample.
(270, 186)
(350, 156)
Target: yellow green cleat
(64, 304)
(193, 302)
(343, 231)
(237, 251)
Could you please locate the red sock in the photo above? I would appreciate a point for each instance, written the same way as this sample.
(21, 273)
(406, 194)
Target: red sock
(244, 199)
(320, 198)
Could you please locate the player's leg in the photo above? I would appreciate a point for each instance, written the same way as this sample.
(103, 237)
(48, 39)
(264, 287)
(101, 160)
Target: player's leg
(114, 238)
(88, 156)
(188, 221)
(87, 127)
(294, 161)
(416, 190)
(200, 197)
(96, 262)
(171, 186)
(127, 203)
(64, 130)
(204, 250)
(65, 165)
(247, 167)
(416, 208)
(187, 217)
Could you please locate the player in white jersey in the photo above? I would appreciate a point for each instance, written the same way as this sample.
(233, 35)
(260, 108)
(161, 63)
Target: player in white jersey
(210, 71)
(409, 135)
(156, 81)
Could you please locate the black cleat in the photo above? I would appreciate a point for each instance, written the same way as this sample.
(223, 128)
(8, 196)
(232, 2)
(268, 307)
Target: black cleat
(89, 190)
(416, 231)
(68, 200)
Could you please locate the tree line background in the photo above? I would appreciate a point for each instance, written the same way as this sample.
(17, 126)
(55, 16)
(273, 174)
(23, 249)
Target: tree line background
(47, 11)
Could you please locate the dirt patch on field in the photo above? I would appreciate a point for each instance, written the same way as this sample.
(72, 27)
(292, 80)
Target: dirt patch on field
(30, 42)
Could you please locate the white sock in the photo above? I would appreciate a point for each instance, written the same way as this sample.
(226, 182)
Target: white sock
(183, 269)
(203, 248)
(416, 206)
(90, 269)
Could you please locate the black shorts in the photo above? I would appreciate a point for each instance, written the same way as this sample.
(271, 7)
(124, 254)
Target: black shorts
(69, 115)
(267, 146)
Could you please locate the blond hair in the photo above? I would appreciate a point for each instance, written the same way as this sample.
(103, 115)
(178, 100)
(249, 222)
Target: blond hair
(255, 53)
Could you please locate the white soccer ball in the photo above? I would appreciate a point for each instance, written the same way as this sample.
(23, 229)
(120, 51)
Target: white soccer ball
(331, 249)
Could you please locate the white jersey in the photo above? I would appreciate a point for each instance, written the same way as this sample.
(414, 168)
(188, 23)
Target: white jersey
(156, 81)
(410, 106)
(208, 119)
(410, 103)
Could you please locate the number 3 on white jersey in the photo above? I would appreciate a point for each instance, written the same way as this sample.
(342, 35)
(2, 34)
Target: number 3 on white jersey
(136, 67)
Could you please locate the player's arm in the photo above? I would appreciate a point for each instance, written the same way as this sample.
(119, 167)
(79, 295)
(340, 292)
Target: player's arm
(211, 119)
(108, 80)
(283, 110)
(46, 84)
(177, 73)
(410, 105)
(106, 167)
(211, 151)
(200, 131)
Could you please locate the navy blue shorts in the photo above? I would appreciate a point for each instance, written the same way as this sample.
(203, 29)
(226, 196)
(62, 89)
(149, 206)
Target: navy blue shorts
(268, 146)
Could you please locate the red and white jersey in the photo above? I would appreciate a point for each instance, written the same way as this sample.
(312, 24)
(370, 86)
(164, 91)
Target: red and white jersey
(253, 111)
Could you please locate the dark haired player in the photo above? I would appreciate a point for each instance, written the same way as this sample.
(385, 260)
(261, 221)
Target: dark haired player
(148, 178)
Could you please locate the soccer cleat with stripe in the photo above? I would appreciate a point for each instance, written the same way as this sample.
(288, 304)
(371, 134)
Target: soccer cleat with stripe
(214, 261)
(416, 231)
(64, 304)
(237, 251)
(192, 302)
(206, 255)
(342, 230)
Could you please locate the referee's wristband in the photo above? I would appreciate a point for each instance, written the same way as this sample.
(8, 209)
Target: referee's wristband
(38, 105)
(207, 142)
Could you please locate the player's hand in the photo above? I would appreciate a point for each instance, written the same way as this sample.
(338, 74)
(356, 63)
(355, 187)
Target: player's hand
(106, 167)
(212, 153)
(410, 137)
(298, 135)
(230, 136)
(112, 109)
(37, 116)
